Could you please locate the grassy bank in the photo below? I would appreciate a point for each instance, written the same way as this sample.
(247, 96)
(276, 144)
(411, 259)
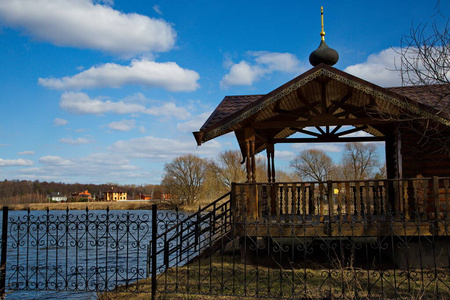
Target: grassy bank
(226, 274)
(119, 205)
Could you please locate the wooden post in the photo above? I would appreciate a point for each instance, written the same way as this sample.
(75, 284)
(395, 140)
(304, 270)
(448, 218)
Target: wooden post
(249, 134)
(269, 172)
(330, 195)
(447, 196)
(436, 196)
(270, 162)
(247, 161)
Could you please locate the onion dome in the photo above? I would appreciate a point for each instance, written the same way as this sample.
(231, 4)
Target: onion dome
(323, 54)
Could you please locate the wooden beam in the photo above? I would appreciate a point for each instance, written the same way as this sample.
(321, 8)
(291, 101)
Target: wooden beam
(337, 104)
(306, 132)
(351, 130)
(306, 102)
(315, 122)
(336, 129)
(330, 140)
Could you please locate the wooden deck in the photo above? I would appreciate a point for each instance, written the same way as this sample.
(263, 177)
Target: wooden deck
(397, 207)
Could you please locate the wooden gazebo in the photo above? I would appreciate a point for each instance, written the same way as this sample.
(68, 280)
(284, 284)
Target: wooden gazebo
(328, 99)
(338, 104)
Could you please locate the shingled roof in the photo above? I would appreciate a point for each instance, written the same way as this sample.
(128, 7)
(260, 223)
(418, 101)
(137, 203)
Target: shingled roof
(436, 97)
(426, 95)
(430, 101)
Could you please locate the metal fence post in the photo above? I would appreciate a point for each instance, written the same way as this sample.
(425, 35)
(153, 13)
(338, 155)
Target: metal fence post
(3, 254)
(153, 245)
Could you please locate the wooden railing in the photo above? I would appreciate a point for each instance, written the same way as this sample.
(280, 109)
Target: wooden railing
(425, 198)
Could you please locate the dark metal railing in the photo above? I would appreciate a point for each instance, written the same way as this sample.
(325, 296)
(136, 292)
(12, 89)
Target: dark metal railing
(195, 236)
(376, 239)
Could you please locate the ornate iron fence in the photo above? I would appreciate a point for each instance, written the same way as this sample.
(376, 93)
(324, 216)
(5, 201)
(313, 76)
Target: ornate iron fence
(103, 251)
(87, 251)
(389, 255)
(271, 260)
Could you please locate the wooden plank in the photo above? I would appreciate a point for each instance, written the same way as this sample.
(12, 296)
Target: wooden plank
(332, 121)
(417, 204)
(447, 195)
(339, 201)
(356, 229)
(294, 212)
(376, 198)
(260, 193)
(329, 139)
(286, 201)
(368, 197)
(303, 194)
(348, 202)
(312, 200)
(321, 200)
(277, 202)
(436, 202)
(330, 197)
(358, 200)
(405, 199)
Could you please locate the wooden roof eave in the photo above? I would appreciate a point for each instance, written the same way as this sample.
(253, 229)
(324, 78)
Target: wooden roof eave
(236, 119)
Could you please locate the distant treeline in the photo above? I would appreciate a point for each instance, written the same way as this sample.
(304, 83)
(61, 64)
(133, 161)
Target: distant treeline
(25, 191)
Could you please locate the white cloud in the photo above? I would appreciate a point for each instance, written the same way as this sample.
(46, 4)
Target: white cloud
(162, 149)
(284, 155)
(143, 72)
(168, 110)
(26, 153)
(326, 147)
(245, 73)
(242, 74)
(194, 124)
(379, 68)
(114, 167)
(51, 160)
(123, 125)
(157, 9)
(84, 24)
(77, 141)
(59, 122)
(15, 162)
(274, 61)
(81, 103)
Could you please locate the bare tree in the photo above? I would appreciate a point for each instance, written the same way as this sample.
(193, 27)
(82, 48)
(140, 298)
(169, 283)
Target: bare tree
(184, 177)
(283, 176)
(425, 63)
(313, 164)
(229, 168)
(359, 162)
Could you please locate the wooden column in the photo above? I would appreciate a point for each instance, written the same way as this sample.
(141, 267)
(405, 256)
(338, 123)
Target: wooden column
(250, 153)
(252, 193)
(270, 162)
(394, 167)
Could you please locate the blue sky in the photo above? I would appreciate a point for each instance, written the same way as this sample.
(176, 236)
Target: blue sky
(110, 91)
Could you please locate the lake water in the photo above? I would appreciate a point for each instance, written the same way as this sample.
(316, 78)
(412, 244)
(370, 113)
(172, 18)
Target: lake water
(71, 250)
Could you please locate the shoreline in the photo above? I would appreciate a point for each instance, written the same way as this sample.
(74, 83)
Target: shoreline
(103, 205)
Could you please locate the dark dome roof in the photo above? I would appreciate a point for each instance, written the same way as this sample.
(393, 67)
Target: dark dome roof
(323, 54)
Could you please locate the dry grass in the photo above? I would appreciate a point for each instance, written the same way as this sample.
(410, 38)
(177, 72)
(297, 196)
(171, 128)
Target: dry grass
(226, 275)
(119, 205)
